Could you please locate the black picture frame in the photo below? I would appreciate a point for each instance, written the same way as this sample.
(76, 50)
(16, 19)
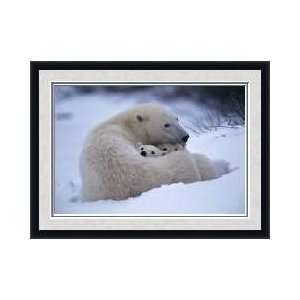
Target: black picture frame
(263, 66)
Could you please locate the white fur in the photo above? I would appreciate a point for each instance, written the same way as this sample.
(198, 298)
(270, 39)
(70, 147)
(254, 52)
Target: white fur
(151, 151)
(167, 148)
(112, 168)
(159, 150)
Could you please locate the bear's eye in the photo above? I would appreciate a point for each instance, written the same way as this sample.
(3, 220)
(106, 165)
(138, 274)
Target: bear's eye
(167, 125)
(175, 149)
(142, 148)
(177, 119)
(165, 149)
(139, 118)
(152, 152)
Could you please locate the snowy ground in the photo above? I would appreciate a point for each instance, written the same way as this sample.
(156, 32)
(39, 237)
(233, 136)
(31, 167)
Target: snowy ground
(78, 114)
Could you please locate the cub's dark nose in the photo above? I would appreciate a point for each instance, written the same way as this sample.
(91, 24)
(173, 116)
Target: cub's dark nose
(144, 153)
(185, 138)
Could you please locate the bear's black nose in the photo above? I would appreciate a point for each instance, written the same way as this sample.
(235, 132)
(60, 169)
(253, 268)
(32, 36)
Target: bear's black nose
(185, 138)
(144, 153)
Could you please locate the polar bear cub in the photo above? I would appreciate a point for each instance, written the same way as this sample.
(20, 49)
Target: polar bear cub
(160, 150)
(167, 148)
(148, 150)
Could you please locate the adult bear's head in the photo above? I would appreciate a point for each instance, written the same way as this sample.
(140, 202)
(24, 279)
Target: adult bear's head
(154, 124)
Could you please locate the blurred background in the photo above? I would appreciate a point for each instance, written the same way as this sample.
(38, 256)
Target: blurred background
(204, 107)
(214, 117)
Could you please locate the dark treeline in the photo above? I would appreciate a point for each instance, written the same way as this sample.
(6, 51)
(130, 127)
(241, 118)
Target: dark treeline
(223, 103)
(228, 101)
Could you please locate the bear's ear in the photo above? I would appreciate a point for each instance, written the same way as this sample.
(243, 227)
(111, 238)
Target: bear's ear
(139, 118)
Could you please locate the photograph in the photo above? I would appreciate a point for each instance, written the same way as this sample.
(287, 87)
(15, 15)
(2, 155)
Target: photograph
(149, 149)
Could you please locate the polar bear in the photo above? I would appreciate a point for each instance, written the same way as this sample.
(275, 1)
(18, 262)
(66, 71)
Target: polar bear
(112, 168)
(149, 150)
(160, 150)
(167, 148)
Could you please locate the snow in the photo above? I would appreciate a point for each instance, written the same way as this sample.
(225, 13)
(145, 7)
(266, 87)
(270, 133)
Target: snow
(77, 114)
